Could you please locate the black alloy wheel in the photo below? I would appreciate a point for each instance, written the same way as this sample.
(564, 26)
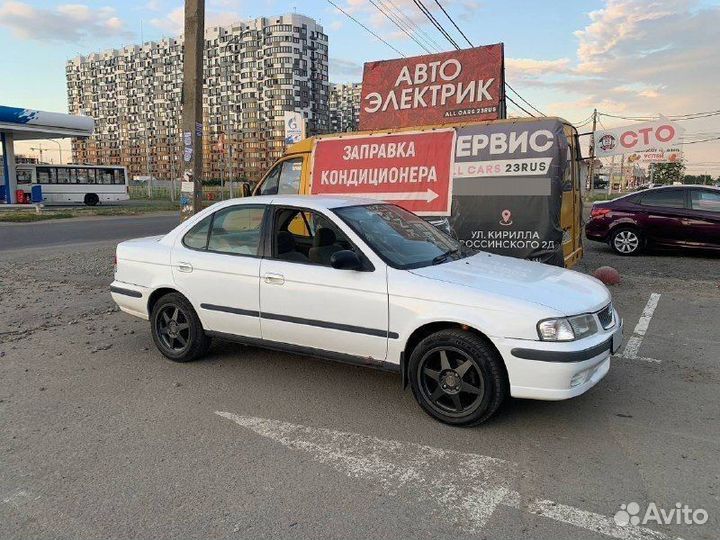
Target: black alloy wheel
(457, 377)
(173, 328)
(451, 381)
(176, 329)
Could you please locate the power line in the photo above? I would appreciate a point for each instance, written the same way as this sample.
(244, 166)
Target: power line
(704, 140)
(410, 24)
(435, 23)
(365, 27)
(524, 100)
(511, 100)
(453, 23)
(506, 83)
(678, 117)
(396, 23)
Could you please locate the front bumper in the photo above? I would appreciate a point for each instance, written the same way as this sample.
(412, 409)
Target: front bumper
(553, 371)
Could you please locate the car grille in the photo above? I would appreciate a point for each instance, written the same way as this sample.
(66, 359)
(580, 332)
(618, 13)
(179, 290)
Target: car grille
(606, 316)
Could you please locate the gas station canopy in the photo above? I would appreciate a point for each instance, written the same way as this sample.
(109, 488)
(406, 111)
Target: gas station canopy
(26, 124)
(17, 124)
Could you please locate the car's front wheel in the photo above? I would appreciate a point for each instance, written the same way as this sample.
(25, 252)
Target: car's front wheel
(626, 241)
(176, 329)
(457, 377)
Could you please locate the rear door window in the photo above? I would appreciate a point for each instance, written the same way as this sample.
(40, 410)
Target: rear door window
(665, 198)
(197, 238)
(236, 230)
(706, 201)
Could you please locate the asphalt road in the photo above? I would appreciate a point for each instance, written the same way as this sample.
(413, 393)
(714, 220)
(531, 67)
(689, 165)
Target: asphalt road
(64, 232)
(104, 438)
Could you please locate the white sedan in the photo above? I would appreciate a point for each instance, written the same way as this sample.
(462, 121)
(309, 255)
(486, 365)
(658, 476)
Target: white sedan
(370, 283)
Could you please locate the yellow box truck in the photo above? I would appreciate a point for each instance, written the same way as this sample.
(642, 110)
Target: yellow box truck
(510, 187)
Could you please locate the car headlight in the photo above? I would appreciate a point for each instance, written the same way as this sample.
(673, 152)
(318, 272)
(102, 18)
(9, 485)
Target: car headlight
(567, 329)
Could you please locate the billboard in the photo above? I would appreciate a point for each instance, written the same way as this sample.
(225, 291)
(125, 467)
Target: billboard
(409, 169)
(659, 135)
(507, 189)
(433, 89)
(671, 155)
(294, 127)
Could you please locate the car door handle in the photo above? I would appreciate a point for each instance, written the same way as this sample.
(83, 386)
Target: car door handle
(274, 279)
(184, 267)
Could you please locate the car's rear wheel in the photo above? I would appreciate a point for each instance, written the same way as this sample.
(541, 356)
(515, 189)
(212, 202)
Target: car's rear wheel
(457, 377)
(626, 241)
(91, 199)
(176, 329)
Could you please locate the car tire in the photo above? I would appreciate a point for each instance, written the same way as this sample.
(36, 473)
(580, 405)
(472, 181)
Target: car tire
(626, 241)
(176, 329)
(457, 377)
(91, 199)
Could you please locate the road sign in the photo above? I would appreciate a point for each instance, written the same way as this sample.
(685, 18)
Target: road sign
(409, 169)
(294, 127)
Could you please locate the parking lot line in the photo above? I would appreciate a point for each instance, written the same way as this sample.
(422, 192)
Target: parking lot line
(463, 489)
(635, 341)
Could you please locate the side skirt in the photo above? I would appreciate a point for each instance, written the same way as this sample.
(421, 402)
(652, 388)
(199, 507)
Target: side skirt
(309, 351)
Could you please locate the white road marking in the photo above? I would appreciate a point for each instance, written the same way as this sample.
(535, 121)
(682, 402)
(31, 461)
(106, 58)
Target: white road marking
(18, 497)
(461, 489)
(632, 347)
(642, 325)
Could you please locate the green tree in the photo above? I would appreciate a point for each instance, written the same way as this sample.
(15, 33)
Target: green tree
(667, 173)
(704, 179)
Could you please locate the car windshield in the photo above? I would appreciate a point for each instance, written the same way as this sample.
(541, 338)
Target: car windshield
(399, 237)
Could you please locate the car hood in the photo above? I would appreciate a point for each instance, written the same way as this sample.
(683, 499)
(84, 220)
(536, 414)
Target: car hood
(565, 291)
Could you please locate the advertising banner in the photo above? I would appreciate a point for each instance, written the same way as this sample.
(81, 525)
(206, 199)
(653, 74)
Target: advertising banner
(409, 169)
(670, 155)
(433, 89)
(659, 135)
(294, 127)
(507, 189)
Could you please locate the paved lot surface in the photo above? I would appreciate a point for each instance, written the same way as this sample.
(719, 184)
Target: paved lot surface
(102, 437)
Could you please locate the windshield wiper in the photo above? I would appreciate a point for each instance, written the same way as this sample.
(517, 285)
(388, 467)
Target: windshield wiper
(443, 256)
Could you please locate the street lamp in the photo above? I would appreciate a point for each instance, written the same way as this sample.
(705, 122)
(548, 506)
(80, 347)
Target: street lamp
(59, 148)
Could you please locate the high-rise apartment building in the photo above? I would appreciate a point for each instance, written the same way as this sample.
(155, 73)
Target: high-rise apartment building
(345, 107)
(254, 72)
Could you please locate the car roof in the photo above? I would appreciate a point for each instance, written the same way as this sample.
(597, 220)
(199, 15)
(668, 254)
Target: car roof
(317, 202)
(659, 188)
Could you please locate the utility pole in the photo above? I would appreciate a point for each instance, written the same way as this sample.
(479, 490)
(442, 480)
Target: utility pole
(191, 187)
(591, 170)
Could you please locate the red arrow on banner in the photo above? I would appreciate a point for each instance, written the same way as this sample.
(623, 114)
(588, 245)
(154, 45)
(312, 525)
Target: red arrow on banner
(427, 196)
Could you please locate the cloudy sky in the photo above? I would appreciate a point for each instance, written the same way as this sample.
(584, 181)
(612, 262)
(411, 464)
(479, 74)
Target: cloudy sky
(566, 57)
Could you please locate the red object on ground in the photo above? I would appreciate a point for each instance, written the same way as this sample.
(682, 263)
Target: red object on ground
(608, 275)
(20, 197)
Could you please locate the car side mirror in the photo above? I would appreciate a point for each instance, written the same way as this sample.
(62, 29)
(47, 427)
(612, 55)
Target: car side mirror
(345, 260)
(245, 189)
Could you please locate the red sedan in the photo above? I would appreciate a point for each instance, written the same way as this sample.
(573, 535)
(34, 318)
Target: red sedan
(672, 216)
